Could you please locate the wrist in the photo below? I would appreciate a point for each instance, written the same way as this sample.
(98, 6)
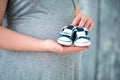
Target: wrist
(42, 45)
(46, 45)
(39, 45)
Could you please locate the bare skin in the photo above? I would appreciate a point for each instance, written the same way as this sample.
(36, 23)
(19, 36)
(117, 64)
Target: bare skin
(82, 20)
(20, 42)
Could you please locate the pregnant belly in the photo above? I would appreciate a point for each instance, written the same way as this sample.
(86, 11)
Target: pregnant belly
(44, 28)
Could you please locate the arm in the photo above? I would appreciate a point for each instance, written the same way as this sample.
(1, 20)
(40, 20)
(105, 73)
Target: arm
(12, 40)
(77, 10)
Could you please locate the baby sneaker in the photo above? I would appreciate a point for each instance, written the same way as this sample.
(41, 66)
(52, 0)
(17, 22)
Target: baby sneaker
(66, 35)
(81, 37)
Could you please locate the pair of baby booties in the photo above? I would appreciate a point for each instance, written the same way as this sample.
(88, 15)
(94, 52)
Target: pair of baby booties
(74, 36)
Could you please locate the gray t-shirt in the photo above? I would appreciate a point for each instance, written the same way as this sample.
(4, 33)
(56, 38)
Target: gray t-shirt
(40, 19)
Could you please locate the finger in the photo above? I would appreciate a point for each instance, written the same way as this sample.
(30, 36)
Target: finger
(76, 20)
(91, 26)
(73, 49)
(82, 21)
(87, 24)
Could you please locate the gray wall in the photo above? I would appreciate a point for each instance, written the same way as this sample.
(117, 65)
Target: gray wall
(102, 60)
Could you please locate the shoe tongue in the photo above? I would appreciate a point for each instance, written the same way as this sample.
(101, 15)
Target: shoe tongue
(70, 27)
(80, 29)
(68, 31)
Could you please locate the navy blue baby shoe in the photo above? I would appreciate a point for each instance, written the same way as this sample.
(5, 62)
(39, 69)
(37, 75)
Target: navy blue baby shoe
(71, 35)
(66, 35)
(81, 37)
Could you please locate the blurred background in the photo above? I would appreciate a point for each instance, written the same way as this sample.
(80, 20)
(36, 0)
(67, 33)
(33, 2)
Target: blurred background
(102, 60)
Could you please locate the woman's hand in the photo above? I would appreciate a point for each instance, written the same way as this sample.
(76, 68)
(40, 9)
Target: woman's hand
(53, 46)
(82, 20)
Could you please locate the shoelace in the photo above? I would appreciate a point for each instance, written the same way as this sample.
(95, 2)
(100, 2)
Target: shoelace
(66, 32)
(79, 34)
(83, 35)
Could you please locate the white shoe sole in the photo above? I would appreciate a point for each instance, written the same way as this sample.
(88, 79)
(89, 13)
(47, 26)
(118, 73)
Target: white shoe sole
(67, 43)
(82, 43)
